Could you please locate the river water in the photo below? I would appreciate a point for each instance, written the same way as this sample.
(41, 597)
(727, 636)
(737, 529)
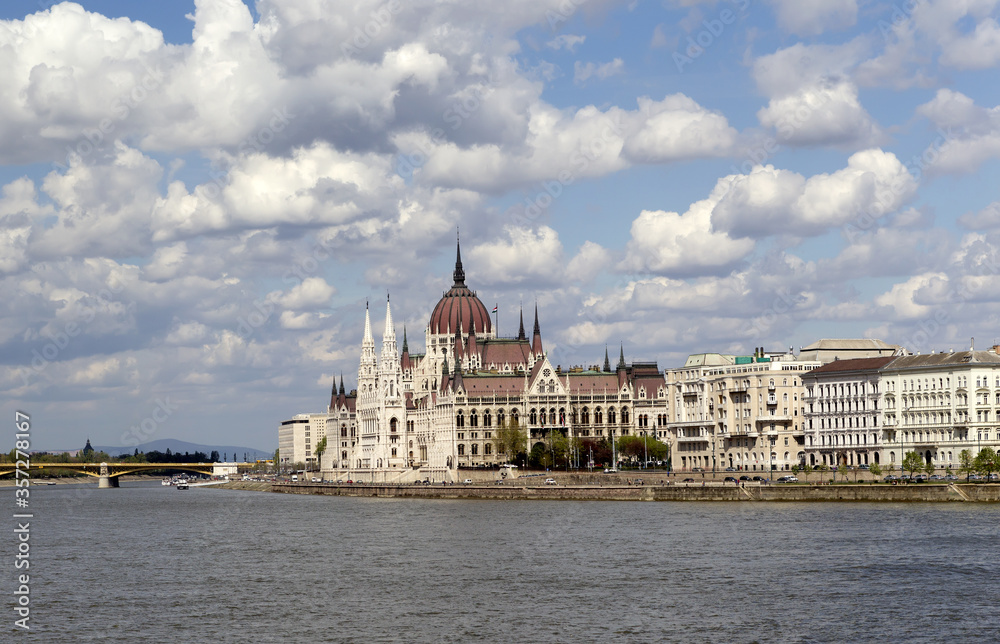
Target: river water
(154, 564)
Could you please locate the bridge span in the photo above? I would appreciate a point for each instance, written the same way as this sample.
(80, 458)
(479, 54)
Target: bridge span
(108, 473)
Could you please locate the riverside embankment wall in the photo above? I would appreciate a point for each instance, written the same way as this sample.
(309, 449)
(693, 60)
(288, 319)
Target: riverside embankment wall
(681, 492)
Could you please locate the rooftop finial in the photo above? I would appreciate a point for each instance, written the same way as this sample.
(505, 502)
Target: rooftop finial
(459, 274)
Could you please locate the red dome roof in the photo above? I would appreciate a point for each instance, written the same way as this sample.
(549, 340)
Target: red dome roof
(460, 306)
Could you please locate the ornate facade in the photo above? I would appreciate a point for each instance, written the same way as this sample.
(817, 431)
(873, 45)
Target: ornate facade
(424, 415)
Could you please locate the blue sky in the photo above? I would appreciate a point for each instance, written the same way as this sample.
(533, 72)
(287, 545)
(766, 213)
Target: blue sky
(197, 199)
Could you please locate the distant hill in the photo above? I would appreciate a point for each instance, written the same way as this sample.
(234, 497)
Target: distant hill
(175, 446)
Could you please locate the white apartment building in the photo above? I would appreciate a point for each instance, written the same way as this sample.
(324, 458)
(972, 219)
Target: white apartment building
(860, 412)
(299, 436)
(738, 412)
(843, 412)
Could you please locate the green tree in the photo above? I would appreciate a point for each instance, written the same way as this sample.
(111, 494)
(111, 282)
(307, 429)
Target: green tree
(876, 470)
(509, 439)
(966, 463)
(822, 468)
(929, 469)
(842, 470)
(637, 448)
(987, 462)
(320, 449)
(912, 463)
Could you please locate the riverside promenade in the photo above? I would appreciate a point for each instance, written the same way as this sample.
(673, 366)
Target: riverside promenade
(536, 490)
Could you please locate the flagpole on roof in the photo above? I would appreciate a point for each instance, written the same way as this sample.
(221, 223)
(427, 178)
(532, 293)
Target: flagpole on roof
(496, 321)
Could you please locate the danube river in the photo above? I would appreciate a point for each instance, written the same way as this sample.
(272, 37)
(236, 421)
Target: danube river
(152, 563)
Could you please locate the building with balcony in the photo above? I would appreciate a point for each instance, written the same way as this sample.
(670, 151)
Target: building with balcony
(739, 412)
(861, 412)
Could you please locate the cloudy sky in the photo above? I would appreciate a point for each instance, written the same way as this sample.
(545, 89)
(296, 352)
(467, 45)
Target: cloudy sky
(197, 199)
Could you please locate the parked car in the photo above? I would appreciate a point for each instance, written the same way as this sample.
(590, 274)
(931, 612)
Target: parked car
(730, 469)
(550, 481)
(697, 469)
(688, 480)
(744, 478)
(787, 479)
(610, 470)
(467, 482)
(890, 478)
(729, 479)
(757, 478)
(863, 466)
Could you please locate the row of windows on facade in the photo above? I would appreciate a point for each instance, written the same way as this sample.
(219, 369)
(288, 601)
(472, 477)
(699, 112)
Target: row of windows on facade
(850, 389)
(553, 417)
(961, 382)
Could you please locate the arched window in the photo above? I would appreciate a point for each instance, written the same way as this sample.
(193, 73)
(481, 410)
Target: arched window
(487, 419)
(393, 425)
(500, 418)
(562, 415)
(487, 449)
(473, 419)
(552, 416)
(533, 416)
(624, 415)
(460, 419)
(514, 417)
(475, 449)
(461, 449)
(611, 415)
(598, 416)
(585, 416)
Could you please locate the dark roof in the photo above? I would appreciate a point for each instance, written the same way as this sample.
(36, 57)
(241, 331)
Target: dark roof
(957, 358)
(855, 364)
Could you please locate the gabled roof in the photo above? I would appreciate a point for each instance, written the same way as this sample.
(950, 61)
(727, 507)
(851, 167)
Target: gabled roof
(848, 344)
(957, 358)
(856, 364)
(592, 382)
(489, 384)
(501, 351)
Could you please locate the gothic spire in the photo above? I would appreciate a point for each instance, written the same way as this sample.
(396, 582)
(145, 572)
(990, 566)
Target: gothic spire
(536, 337)
(342, 384)
(520, 333)
(621, 357)
(607, 363)
(368, 327)
(459, 273)
(406, 349)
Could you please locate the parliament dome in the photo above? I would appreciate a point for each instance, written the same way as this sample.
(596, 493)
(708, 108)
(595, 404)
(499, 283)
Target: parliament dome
(460, 305)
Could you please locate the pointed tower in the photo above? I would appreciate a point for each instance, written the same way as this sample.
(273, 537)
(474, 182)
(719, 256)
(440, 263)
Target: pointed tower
(405, 360)
(333, 396)
(367, 368)
(520, 333)
(536, 337)
(457, 382)
(621, 358)
(459, 273)
(607, 363)
(388, 336)
(472, 349)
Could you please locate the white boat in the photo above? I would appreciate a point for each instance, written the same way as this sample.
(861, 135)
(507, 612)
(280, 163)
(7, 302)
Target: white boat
(182, 485)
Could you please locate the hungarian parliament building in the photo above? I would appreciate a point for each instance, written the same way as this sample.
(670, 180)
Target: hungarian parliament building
(415, 416)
